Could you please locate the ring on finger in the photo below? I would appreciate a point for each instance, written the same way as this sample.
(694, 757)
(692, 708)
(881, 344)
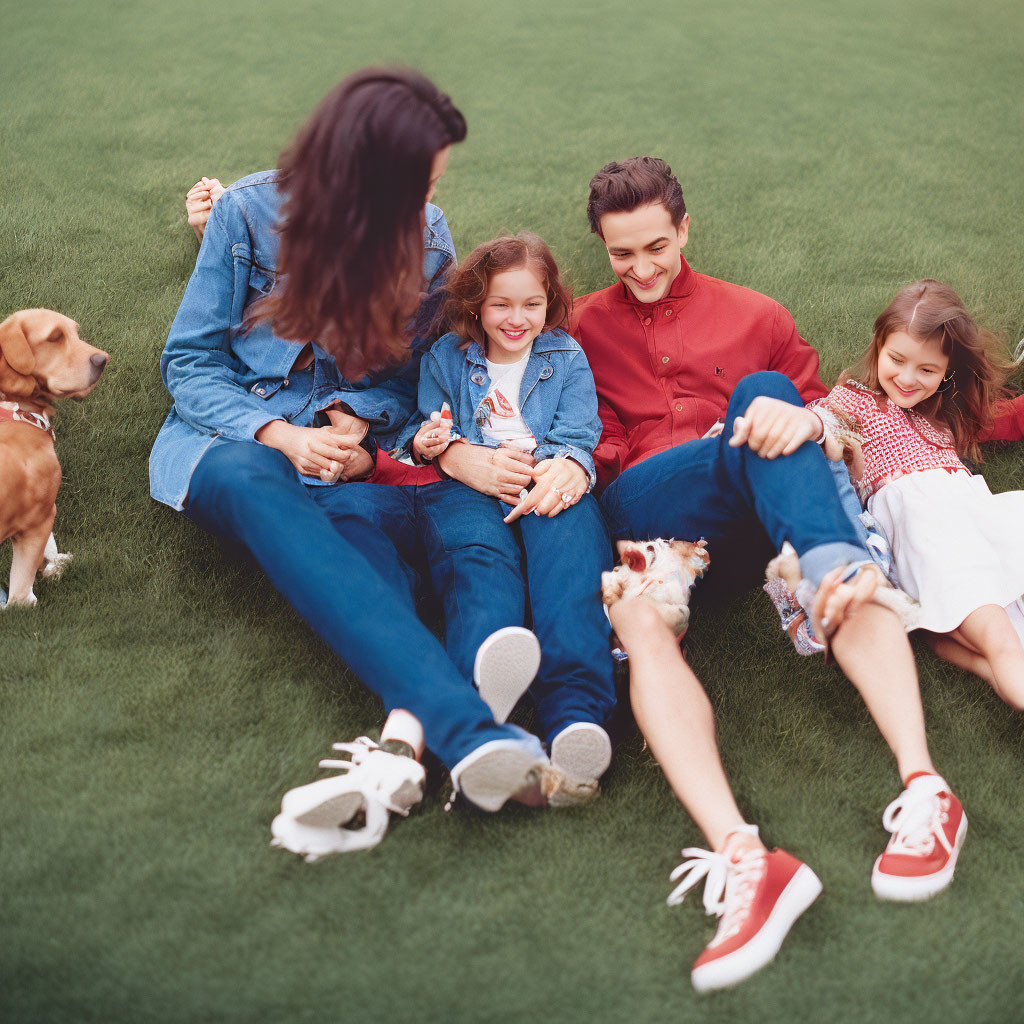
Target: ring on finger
(568, 499)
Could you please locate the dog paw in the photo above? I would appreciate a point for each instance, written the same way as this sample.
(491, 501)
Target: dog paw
(54, 567)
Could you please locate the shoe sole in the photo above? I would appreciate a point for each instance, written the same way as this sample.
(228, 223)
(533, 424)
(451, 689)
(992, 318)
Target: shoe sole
(803, 889)
(333, 811)
(910, 889)
(503, 774)
(582, 753)
(505, 665)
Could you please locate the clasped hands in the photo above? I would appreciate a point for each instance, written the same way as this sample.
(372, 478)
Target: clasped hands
(771, 427)
(332, 453)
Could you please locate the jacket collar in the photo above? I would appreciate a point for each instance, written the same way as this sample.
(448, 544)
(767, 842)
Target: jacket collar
(682, 288)
(550, 341)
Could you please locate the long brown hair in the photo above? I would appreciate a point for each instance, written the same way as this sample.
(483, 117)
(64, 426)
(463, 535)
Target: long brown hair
(466, 288)
(351, 247)
(974, 379)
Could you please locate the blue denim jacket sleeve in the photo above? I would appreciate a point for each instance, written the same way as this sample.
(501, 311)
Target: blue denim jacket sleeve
(198, 365)
(389, 401)
(576, 427)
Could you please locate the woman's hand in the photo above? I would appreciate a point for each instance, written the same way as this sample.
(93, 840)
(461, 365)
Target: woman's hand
(499, 472)
(199, 202)
(347, 422)
(324, 452)
(559, 483)
(771, 427)
(432, 438)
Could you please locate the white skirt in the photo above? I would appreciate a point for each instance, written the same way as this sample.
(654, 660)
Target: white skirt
(956, 545)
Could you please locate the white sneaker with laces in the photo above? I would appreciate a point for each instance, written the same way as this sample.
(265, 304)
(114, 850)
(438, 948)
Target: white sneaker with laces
(396, 781)
(506, 663)
(503, 770)
(758, 897)
(582, 753)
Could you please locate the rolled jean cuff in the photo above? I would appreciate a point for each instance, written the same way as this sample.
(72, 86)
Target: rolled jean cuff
(820, 560)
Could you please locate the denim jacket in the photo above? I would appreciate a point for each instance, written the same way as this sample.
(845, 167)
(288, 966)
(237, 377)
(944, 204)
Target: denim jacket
(226, 385)
(557, 397)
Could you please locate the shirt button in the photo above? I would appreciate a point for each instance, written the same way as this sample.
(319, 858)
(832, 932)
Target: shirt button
(668, 312)
(286, 382)
(647, 321)
(664, 359)
(679, 407)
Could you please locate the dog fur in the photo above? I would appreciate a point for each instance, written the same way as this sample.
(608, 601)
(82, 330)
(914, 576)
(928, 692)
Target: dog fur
(660, 571)
(42, 360)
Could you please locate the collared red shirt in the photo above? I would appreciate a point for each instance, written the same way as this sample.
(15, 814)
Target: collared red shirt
(665, 370)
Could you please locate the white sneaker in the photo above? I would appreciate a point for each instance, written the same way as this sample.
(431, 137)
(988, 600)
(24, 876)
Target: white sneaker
(312, 842)
(503, 770)
(506, 663)
(582, 753)
(395, 781)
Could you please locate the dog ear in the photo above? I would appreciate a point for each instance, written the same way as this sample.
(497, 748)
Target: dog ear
(15, 347)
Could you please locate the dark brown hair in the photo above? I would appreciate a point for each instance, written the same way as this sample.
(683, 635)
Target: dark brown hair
(466, 288)
(351, 251)
(974, 380)
(626, 186)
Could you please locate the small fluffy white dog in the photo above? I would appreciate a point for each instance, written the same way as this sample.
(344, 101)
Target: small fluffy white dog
(660, 571)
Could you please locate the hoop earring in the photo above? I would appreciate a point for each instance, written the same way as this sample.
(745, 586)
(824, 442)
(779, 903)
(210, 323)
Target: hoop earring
(947, 382)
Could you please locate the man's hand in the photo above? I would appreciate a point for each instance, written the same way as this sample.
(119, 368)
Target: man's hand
(559, 483)
(771, 427)
(432, 438)
(499, 472)
(324, 452)
(347, 423)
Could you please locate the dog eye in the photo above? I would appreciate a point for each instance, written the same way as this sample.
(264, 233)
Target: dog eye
(650, 547)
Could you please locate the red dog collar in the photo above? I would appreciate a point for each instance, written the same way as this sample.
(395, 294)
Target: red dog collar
(13, 411)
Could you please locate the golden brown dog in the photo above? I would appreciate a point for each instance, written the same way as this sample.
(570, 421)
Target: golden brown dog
(42, 359)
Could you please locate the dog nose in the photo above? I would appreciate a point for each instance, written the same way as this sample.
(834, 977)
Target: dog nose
(99, 360)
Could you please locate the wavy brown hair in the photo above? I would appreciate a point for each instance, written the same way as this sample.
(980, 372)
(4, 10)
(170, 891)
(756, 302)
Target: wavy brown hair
(351, 246)
(466, 288)
(974, 380)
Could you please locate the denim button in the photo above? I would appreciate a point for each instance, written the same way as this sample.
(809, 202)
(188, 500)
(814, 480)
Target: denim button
(286, 382)
(477, 378)
(261, 391)
(546, 372)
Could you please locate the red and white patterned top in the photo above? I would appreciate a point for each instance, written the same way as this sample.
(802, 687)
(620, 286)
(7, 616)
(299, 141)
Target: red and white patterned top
(896, 441)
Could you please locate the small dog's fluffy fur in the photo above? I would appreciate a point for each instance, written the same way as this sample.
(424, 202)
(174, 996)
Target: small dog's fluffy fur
(42, 359)
(660, 571)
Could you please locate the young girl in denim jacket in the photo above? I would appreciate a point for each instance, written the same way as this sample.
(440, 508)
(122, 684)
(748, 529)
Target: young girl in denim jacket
(508, 377)
(924, 393)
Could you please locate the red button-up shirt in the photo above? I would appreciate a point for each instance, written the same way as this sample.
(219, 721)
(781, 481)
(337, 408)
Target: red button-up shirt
(665, 370)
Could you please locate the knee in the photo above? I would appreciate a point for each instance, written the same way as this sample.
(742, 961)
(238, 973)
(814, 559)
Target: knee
(232, 468)
(766, 383)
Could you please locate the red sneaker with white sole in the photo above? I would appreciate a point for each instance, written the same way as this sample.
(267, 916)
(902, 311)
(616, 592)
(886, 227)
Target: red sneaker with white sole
(928, 827)
(758, 898)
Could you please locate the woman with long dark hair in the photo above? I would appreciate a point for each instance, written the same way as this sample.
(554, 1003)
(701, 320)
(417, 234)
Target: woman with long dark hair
(289, 361)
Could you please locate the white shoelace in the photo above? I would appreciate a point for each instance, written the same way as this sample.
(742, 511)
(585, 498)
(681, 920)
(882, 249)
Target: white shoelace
(359, 748)
(729, 887)
(915, 820)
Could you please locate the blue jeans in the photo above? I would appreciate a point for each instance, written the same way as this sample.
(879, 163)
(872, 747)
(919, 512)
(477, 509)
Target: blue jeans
(344, 565)
(704, 488)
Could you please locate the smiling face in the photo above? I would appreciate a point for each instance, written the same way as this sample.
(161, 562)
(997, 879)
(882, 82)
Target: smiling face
(644, 246)
(910, 370)
(513, 313)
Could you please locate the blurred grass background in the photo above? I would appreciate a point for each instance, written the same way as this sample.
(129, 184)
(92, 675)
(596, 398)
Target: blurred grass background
(162, 697)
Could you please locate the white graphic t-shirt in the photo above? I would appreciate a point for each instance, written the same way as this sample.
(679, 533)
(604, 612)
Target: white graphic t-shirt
(498, 415)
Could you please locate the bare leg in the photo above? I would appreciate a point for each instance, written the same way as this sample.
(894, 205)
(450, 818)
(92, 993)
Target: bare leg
(677, 721)
(871, 647)
(990, 631)
(949, 647)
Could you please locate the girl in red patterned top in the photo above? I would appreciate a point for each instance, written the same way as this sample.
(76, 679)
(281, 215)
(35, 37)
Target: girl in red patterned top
(922, 395)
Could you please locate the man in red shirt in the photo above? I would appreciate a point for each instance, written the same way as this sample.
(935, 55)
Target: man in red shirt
(701, 387)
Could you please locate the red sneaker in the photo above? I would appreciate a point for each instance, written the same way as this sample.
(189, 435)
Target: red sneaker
(758, 898)
(928, 827)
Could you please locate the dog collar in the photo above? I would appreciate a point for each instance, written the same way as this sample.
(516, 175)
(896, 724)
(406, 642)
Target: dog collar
(13, 411)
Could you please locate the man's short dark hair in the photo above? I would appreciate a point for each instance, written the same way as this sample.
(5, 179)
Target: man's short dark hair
(626, 186)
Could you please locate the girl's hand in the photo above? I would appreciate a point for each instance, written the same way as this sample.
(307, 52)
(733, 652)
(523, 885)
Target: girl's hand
(324, 452)
(559, 483)
(499, 472)
(199, 202)
(432, 438)
(772, 427)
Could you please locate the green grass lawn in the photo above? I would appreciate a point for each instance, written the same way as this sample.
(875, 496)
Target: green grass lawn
(162, 697)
